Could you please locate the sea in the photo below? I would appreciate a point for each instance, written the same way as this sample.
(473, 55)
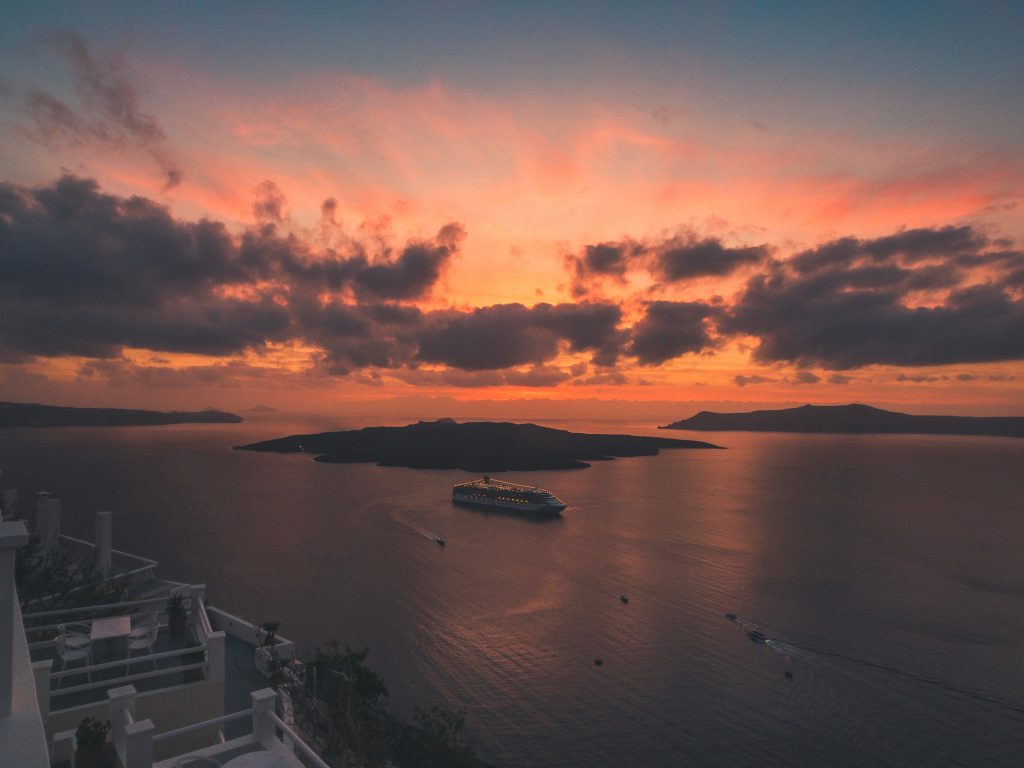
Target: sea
(886, 571)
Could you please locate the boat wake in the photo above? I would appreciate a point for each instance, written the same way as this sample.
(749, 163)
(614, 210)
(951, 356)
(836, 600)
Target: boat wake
(387, 504)
(805, 653)
(434, 537)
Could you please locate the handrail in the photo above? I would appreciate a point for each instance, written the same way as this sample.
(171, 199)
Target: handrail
(223, 719)
(87, 608)
(204, 620)
(112, 551)
(106, 578)
(123, 680)
(296, 740)
(52, 627)
(129, 660)
(194, 590)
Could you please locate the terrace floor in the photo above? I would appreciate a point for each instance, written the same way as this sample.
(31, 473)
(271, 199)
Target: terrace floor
(241, 678)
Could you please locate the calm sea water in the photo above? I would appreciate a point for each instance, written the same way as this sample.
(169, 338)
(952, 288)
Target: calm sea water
(888, 570)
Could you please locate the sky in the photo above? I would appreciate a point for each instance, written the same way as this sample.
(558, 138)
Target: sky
(678, 205)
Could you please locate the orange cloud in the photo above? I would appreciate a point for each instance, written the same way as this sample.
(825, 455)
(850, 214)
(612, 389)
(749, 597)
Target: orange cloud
(533, 178)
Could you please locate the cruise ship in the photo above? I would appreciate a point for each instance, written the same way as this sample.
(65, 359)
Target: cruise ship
(488, 492)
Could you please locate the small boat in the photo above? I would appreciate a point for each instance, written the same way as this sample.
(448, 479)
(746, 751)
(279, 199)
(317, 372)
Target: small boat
(757, 636)
(624, 599)
(439, 541)
(730, 616)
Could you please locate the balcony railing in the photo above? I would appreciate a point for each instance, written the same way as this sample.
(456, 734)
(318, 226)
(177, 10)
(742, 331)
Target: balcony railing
(197, 655)
(136, 741)
(296, 741)
(135, 567)
(107, 689)
(46, 622)
(133, 570)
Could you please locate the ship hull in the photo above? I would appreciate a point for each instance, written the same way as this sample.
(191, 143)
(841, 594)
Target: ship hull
(546, 510)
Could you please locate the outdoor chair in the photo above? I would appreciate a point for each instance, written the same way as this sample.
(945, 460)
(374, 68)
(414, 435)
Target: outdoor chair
(143, 643)
(69, 654)
(76, 634)
(142, 626)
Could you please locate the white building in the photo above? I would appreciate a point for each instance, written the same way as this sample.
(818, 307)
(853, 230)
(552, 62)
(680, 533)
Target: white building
(179, 697)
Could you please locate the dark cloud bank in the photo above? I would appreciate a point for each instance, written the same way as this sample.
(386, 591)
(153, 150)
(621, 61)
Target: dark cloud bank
(672, 260)
(87, 274)
(919, 297)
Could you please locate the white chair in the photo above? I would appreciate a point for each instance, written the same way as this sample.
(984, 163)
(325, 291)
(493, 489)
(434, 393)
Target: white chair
(76, 634)
(142, 626)
(143, 643)
(68, 653)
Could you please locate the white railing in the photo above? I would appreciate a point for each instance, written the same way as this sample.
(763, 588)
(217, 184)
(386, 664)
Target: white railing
(126, 665)
(147, 563)
(147, 658)
(213, 640)
(296, 740)
(204, 620)
(93, 608)
(193, 727)
(264, 733)
(144, 572)
(77, 613)
(134, 740)
(105, 609)
(248, 632)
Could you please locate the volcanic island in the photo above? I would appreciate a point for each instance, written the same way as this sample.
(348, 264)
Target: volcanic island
(476, 446)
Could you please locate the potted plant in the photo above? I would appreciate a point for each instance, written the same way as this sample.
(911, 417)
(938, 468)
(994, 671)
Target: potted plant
(266, 654)
(270, 633)
(91, 742)
(176, 617)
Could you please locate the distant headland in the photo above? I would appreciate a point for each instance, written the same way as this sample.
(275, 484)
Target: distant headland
(261, 409)
(35, 415)
(851, 419)
(470, 446)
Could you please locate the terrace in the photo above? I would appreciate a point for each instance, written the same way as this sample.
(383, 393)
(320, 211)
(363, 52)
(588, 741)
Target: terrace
(195, 653)
(192, 691)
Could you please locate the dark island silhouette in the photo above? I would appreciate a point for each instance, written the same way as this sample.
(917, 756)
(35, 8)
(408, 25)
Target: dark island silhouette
(35, 415)
(851, 419)
(471, 446)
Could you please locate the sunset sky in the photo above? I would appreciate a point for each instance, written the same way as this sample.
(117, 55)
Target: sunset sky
(709, 203)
